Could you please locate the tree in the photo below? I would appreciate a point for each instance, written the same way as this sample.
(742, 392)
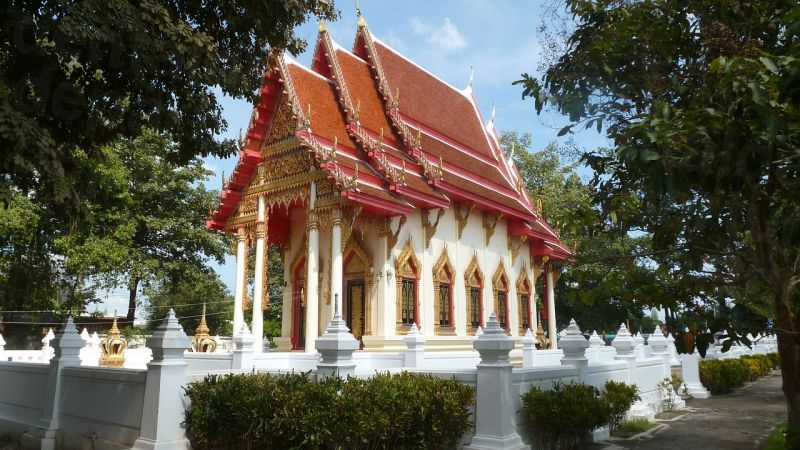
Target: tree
(148, 219)
(78, 75)
(700, 99)
(613, 282)
(188, 295)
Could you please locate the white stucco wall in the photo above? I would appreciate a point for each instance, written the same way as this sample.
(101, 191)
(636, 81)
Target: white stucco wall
(384, 291)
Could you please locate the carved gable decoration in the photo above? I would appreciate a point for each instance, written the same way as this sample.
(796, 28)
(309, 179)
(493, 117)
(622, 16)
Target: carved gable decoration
(473, 277)
(443, 269)
(500, 280)
(523, 285)
(286, 165)
(406, 264)
(284, 123)
(357, 260)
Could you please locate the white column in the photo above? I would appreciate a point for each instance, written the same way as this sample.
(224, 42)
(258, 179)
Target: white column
(496, 402)
(532, 302)
(336, 258)
(312, 291)
(552, 333)
(68, 344)
(163, 401)
(241, 286)
(258, 291)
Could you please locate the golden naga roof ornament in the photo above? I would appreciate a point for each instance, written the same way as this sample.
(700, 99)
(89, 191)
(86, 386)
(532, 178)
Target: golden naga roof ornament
(307, 119)
(113, 347)
(202, 342)
(357, 111)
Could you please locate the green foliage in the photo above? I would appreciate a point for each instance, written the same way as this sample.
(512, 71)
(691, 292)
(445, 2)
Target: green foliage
(777, 439)
(632, 427)
(620, 397)
(564, 416)
(613, 283)
(721, 376)
(701, 102)
(76, 76)
(291, 411)
(678, 385)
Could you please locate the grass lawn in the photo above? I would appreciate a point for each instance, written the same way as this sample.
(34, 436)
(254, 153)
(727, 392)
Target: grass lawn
(777, 440)
(631, 428)
(666, 415)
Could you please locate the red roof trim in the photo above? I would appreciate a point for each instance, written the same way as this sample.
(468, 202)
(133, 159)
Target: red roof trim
(485, 202)
(426, 201)
(378, 205)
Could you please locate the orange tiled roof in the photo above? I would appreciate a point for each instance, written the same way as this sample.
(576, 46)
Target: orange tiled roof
(351, 99)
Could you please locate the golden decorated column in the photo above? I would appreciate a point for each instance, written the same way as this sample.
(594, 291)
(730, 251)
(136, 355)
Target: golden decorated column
(241, 281)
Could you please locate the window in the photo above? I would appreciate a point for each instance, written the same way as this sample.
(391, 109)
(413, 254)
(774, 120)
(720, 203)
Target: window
(408, 301)
(524, 313)
(502, 309)
(475, 307)
(445, 306)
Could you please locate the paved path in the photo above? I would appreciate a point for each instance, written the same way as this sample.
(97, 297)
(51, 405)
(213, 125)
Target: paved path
(740, 420)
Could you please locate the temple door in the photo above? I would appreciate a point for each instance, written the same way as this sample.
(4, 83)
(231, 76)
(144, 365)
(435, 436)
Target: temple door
(298, 315)
(354, 306)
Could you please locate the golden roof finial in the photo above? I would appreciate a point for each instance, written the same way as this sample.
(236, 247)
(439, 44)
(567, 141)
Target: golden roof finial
(361, 22)
(321, 25)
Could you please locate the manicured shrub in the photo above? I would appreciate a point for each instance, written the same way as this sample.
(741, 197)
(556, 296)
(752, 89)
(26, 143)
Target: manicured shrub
(292, 411)
(721, 376)
(620, 397)
(564, 417)
(774, 360)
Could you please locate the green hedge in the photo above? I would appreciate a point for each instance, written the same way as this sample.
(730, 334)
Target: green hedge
(721, 376)
(291, 411)
(565, 416)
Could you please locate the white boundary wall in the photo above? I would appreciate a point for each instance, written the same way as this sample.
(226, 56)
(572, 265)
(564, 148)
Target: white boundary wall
(104, 407)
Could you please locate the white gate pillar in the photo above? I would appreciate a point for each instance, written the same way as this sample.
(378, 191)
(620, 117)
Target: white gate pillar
(496, 406)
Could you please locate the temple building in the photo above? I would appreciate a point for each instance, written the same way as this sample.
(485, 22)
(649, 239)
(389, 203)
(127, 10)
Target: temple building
(387, 192)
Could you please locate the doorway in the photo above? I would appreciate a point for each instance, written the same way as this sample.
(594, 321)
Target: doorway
(354, 307)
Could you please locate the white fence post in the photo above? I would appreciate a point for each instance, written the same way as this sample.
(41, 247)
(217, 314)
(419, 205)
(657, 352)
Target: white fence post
(528, 349)
(415, 351)
(496, 410)
(67, 347)
(242, 357)
(336, 347)
(574, 346)
(162, 411)
(625, 345)
(690, 369)
(659, 346)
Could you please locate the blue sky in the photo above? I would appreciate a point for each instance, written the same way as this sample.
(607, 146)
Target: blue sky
(496, 39)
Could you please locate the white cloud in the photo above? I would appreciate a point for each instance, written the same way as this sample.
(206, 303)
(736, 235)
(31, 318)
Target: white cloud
(445, 36)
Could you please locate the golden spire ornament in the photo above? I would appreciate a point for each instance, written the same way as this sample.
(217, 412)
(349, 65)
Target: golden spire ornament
(202, 342)
(541, 341)
(113, 347)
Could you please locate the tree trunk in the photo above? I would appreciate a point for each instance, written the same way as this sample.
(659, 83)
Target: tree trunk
(789, 352)
(133, 287)
(786, 320)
